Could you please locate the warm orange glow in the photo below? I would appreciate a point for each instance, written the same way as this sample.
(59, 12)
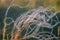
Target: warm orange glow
(3, 1)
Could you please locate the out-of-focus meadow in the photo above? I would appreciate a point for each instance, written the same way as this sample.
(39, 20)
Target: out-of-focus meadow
(33, 3)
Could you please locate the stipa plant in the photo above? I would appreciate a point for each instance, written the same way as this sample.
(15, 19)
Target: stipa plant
(28, 24)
